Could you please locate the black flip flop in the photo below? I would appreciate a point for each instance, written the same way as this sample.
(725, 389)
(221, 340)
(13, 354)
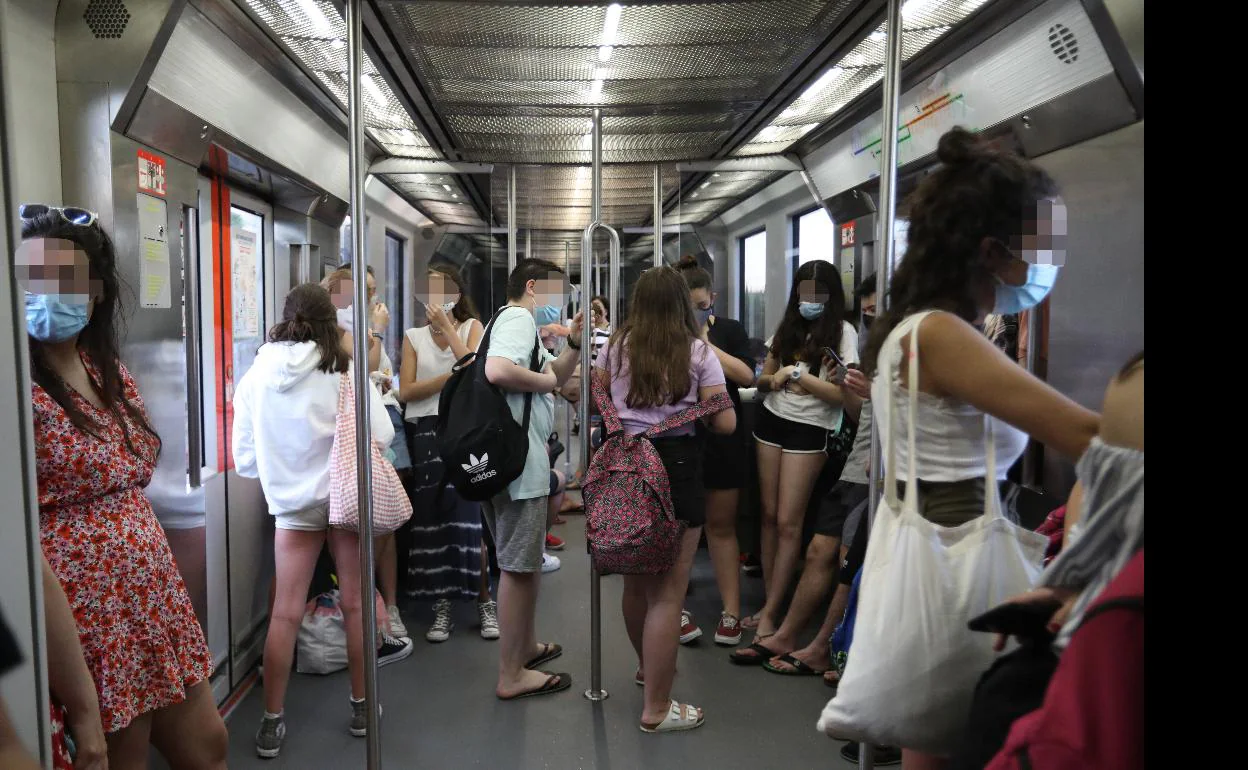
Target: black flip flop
(554, 683)
(799, 668)
(552, 651)
(761, 656)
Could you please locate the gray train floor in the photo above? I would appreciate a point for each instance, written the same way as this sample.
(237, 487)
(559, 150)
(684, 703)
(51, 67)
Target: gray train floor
(440, 710)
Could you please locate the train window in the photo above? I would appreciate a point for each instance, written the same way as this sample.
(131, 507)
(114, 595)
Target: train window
(247, 296)
(395, 281)
(753, 254)
(814, 237)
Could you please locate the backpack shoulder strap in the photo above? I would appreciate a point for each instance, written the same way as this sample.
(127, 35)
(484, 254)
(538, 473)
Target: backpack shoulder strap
(528, 397)
(606, 406)
(713, 405)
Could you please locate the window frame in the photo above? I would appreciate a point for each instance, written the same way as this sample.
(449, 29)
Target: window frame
(741, 239)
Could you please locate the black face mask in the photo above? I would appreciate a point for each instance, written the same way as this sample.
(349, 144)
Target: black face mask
(866, 321)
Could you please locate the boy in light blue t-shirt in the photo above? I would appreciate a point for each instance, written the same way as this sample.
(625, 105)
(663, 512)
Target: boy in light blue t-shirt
(536, 290)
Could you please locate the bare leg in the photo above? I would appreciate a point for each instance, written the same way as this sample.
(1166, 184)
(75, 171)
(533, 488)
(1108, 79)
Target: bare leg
(190, 735)
(634, 606)
(189, 551)
(128, 748)
(388, 569)
(769, 495)
(295, 553)
(797, 477)
(665, 596)
(721, 541)
(816, 579)
(517, 609)
(345, 548)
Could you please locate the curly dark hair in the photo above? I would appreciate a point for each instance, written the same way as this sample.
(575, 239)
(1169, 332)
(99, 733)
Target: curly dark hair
(979, 195)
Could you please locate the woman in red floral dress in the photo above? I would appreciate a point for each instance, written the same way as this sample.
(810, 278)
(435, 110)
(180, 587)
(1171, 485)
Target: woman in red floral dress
(95, 452)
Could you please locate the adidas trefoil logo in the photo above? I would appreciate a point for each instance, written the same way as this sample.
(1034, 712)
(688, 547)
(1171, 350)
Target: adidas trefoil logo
(474, 464)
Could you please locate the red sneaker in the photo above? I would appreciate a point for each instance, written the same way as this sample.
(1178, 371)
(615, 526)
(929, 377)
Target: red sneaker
(728, 632)
(688, 631)
(554, 543)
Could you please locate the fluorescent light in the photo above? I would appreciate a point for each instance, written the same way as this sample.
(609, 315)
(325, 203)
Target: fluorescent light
(715, 174)
(446, 187)
(705, 185)
(373, 89)
(604, 52)
(315, 16)
(878, 36)
(611, 23)
(595, 89)
(337, 44)
(823, 82)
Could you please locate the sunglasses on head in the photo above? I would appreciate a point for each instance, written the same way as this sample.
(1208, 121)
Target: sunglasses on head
(72, 215)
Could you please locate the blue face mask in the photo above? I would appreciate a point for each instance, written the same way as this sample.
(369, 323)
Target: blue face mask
(546, 314)
(702, 316)
(49, 319)
(810, 310)
(1012, 300)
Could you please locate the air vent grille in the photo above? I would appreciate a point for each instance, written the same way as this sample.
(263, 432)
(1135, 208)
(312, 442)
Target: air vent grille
(1062, 41)
(106, 18)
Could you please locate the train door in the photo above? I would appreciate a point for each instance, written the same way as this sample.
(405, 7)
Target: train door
(236, 274)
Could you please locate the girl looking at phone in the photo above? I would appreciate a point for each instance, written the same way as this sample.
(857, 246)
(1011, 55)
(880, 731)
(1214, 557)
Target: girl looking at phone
(802, 408)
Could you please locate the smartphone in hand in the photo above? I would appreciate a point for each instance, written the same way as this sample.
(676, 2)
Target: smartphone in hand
(838, 375)
(1025, 620)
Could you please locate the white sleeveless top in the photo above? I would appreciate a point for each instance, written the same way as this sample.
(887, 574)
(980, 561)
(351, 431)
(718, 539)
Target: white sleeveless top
(431, 361)
(950, 436)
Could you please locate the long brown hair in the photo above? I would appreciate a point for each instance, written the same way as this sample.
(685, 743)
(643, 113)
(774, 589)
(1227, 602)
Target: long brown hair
(978, 192)
(98, 339)
(661, 323)
(310, 316)
(465, 308)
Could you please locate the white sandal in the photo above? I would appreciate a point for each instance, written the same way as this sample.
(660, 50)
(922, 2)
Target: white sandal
(680, 716)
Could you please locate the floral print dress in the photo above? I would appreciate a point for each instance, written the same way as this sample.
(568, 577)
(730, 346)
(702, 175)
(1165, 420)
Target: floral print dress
(140, 637)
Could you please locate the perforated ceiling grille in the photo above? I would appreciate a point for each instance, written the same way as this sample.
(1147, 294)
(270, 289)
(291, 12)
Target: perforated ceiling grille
(107, 19)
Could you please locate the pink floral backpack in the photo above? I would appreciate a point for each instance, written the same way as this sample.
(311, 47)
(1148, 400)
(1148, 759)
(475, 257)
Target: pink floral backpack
(630, 523)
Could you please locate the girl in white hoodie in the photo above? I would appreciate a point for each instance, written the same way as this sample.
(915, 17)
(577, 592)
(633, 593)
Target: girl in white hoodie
(284, 414)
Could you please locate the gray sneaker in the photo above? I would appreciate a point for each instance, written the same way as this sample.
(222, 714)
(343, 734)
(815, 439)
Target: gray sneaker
(359, 717)
(270, 736)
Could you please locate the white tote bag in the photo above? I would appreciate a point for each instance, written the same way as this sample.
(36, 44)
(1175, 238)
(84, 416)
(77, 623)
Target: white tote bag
(914, 663)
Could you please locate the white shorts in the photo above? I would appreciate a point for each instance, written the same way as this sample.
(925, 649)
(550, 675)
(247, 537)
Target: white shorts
(311, 519)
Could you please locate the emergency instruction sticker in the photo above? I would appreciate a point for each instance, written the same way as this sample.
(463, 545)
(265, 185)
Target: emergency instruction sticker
(151, 173)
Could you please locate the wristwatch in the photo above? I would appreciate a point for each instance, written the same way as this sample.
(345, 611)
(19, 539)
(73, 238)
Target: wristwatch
(795, 375)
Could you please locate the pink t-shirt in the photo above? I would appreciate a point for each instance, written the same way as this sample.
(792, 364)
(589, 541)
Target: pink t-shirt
(707, 372)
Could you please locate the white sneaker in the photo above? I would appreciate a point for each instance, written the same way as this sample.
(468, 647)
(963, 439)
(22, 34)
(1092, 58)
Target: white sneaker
(440, 631)
(550, 563)
(397, 629)
(488, 612)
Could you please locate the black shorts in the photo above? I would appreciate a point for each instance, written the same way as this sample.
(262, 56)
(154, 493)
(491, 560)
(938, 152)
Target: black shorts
(682, 457)
(794, 437)
(554, 484)
(725, 464)
(836, 506)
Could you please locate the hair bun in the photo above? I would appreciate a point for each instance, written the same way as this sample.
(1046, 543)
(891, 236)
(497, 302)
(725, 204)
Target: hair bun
(686, 262)
(959, 147)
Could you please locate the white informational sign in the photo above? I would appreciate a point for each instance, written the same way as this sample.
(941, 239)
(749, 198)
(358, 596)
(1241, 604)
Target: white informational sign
(154, 290)
(243, 267)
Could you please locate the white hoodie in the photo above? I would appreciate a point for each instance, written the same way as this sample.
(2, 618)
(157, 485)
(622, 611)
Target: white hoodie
(284, 414)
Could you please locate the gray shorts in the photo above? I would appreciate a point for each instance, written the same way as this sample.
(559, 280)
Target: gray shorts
(519, 531)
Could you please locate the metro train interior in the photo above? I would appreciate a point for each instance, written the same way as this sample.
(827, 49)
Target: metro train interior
(211, 138)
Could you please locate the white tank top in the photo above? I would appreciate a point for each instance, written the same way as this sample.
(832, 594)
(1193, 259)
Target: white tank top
(431, 361)
(950, 435)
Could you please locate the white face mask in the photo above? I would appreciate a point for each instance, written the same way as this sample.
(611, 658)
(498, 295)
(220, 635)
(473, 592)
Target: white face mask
(346, 318)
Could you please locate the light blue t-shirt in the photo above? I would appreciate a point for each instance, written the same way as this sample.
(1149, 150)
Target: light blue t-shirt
(512, 337)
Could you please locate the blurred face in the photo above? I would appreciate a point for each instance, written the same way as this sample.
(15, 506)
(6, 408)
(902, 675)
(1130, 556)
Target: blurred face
(55, 267)
(344, 295)
(551, 290)
(868, 305)
(809, 291)
(438, 290)
(600, 314)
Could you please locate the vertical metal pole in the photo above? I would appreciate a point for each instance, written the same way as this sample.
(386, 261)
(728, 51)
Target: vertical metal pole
(595, 691)
(511, 220)
(361, 338)
(528, 243)
(885, 218)
(658, 215)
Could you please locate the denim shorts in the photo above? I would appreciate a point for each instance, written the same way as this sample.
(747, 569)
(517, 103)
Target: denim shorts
(402, 460)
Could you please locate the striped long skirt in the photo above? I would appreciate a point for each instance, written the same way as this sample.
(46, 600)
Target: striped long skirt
(444, 559)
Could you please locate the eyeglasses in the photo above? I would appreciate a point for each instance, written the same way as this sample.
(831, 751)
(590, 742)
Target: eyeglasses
(72, 215)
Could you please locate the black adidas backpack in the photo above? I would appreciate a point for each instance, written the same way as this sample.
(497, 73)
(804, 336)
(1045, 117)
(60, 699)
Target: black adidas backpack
(482, 448)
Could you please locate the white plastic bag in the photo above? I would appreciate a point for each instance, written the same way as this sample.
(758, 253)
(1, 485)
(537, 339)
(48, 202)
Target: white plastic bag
(913, 663)
(322, 639)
